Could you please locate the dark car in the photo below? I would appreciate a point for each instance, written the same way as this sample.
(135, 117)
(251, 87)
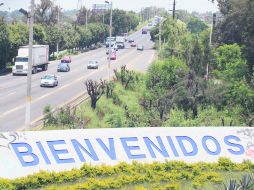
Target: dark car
(63, 67)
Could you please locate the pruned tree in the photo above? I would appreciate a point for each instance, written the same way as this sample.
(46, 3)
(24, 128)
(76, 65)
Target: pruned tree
(95, 91)
(125, 76)
(108, 87)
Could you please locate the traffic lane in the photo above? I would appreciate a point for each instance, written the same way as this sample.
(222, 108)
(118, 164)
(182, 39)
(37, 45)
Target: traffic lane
(65, 78)
(64, 94)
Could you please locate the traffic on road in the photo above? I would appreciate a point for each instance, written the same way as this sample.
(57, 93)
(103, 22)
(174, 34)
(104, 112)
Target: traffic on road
(57, 82)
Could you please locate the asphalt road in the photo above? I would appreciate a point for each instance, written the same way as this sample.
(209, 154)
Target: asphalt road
(71, 84)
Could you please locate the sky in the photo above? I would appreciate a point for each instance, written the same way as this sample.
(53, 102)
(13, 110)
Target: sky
(189, 5)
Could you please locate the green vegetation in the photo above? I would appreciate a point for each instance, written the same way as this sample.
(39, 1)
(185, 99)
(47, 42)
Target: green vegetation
(169, 175)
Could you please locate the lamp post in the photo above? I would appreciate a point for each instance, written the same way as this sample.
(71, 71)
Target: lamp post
(110, 36)
(58, 23)
(30, 16)
(160, 25)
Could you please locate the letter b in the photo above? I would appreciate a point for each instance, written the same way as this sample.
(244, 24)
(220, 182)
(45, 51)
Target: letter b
(28, 153)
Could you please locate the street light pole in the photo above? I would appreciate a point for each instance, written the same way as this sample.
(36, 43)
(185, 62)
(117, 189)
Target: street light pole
(110, 36)
(58, 22)
(160, 34)
(29, 71)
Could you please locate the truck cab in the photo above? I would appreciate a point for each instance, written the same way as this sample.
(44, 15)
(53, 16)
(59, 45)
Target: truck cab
(40, 56)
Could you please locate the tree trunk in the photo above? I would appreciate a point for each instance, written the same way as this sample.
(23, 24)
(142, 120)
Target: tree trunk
(93, 103)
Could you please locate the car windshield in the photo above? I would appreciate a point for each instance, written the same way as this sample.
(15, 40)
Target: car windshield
(63, 64)
(65, 61)
(21, 59)
(92, 62)
(49, 77)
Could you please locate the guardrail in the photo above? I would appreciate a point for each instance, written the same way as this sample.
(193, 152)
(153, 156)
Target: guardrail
(38, 123)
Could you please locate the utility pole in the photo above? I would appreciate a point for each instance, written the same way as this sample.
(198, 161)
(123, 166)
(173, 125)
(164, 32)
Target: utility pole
(58, 18)
(29, 72)
(110, 36)
(86, 16)
(174, 9)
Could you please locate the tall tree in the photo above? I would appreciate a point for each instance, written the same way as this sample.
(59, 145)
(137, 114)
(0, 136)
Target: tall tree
(237, 27)
(4, 44)
(46, 12)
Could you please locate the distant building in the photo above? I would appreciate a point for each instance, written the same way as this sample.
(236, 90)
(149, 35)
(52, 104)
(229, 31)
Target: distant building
(99, 8)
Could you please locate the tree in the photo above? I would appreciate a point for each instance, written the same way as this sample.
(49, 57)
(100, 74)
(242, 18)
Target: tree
(237, 27)
(53, 36)
(4, 45)
(190, 93)
(39, 35)
(46, 13)
(195, 25)
(18, 36)
(95, 91)
(229, 63)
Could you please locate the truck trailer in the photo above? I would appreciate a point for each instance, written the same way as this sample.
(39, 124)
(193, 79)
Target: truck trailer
(40, 57)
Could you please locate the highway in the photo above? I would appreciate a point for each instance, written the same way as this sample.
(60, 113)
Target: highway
(71, 84)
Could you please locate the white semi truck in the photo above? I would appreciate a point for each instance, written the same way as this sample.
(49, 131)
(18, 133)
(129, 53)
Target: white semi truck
(40, 59)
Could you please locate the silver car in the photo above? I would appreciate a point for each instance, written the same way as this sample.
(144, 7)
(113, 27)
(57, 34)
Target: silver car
(49, 80)
(92, 64)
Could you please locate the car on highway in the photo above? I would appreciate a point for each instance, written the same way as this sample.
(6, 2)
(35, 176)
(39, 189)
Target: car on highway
(112, 51)
(66, 59)
(144, 30)
(113, 56)
(63, 67)
(93, 64)
(131, 40)
(49, 80)
(140, 47)
(133, 44)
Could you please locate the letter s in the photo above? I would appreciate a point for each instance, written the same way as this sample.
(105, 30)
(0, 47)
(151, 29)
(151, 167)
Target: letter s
(227, 140)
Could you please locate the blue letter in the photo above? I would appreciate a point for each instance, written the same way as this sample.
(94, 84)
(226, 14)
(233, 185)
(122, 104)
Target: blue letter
(111, 152)
(240, 147)
(180, 140)
(28, 153)
(128, 149)
(218, 149)
(56, 153)
(43, 153)
(77, 146)
(150, 144)
(172, 146)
